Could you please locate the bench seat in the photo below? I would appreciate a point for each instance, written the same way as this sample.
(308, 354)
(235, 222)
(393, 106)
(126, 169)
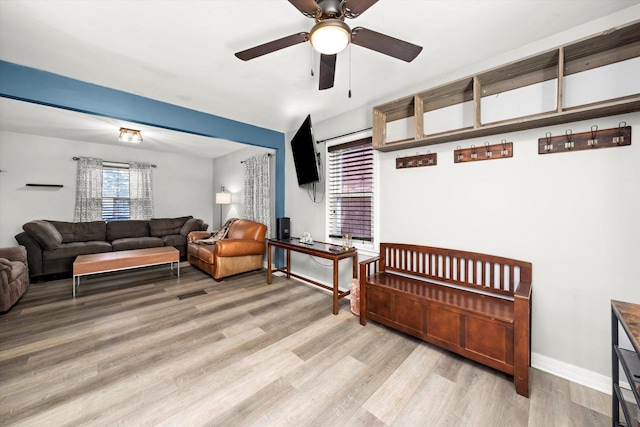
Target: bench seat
(476, 305)
(469, 301)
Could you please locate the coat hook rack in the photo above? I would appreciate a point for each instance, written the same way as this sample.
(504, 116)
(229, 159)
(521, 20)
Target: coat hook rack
(419, 160)
(502, 150)
(594, 138)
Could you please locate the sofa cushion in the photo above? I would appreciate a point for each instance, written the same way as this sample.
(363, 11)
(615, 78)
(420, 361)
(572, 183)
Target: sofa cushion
(73, 249)
(136, 243)
(44, 233)
(174, 240)
(5, 264)
(202, 252)
(127, 228)
(159, 227)
(81, 231)
(192, 224)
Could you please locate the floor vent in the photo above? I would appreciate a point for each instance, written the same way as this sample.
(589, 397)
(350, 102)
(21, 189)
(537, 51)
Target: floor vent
(192, 294)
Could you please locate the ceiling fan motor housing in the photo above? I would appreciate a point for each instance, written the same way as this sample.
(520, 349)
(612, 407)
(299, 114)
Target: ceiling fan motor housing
(330, 9)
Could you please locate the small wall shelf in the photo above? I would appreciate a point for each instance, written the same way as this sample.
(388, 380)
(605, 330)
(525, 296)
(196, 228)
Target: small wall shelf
(45, 185)
(609, 47)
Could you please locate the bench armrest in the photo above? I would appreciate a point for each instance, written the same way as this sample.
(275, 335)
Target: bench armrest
(523, 290)
(367, 268)
(522, 337)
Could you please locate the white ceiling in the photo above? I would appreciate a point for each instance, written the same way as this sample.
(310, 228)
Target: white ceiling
(181, 52)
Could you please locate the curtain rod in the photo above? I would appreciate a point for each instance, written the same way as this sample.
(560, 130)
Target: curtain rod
(268, 155)
(111, 161)
(340, 136)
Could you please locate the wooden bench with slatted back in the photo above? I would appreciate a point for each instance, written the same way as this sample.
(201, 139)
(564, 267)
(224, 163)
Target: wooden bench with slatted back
(476, 305)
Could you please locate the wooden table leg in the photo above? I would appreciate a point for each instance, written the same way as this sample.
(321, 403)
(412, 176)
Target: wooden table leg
(355, 264)
(269, 263)
(288, 263)
(336, 289)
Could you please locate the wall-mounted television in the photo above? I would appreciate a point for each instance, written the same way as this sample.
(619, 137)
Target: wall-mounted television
(304, 154)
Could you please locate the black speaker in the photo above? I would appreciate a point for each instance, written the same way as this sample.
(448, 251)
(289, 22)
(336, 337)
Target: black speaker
(282, 228)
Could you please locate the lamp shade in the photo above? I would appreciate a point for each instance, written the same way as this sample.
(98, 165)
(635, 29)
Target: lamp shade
(330, 36)
(223, 198)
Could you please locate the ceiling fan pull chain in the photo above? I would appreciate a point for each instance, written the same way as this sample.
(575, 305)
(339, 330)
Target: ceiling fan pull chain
(349, 70)
(312, 73)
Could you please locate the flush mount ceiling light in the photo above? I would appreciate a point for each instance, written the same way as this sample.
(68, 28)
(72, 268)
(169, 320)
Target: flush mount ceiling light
(330, 36)
(130, 135)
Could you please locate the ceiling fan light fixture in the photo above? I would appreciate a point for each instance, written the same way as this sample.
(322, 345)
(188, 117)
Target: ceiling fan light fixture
(330, 36)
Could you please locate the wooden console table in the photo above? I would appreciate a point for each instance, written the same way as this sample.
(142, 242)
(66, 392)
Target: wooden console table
(317, 249)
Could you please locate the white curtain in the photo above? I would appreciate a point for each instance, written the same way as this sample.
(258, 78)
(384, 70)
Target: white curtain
(257, 183)
(88, 190)
(140, 190)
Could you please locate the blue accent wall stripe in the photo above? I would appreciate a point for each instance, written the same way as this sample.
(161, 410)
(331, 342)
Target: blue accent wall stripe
(42, 87)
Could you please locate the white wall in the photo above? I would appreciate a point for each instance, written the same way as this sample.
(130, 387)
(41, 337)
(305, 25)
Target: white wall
(182, 185)
(573, 215)
(228, 172)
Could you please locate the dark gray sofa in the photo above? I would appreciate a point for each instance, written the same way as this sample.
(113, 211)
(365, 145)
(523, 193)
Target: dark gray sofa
(52, 246)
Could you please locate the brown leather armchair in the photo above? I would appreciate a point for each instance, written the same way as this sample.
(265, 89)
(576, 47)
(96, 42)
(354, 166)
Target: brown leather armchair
(240, 251)
(14, 275)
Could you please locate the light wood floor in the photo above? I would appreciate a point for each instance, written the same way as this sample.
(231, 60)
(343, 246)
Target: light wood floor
(128, 351)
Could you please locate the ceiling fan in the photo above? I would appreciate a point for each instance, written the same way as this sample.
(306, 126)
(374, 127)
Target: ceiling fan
(331, 35)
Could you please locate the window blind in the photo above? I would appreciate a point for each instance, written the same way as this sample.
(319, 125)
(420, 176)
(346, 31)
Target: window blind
(350, 183)
(115, 192)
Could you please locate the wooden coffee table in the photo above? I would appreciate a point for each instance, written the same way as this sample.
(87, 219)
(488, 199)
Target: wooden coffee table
(123, 260)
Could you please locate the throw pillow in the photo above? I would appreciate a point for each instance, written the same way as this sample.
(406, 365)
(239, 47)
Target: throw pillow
(81, 231)
(44, 233)
(192, 224)
(160, 227)
(126, 228)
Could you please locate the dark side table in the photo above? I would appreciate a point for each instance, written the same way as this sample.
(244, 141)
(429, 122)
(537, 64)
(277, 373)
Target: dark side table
(317, 249)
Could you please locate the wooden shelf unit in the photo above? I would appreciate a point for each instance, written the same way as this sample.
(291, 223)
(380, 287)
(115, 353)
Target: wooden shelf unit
(609, 47)
(626, 315)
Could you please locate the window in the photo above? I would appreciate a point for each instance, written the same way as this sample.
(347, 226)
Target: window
(115, 191)
(350, 183)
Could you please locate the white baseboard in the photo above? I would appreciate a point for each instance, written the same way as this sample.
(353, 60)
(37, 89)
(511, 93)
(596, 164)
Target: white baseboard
(572, 373)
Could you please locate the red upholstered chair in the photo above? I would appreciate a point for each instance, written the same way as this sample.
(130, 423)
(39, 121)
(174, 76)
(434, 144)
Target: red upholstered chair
(240, 251)
(14, 275)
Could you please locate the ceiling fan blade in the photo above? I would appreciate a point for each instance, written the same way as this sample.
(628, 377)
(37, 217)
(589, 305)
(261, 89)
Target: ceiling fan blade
(272, 46)
(307, 7)
(327, 71)
(385, 44)
(355, 8)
